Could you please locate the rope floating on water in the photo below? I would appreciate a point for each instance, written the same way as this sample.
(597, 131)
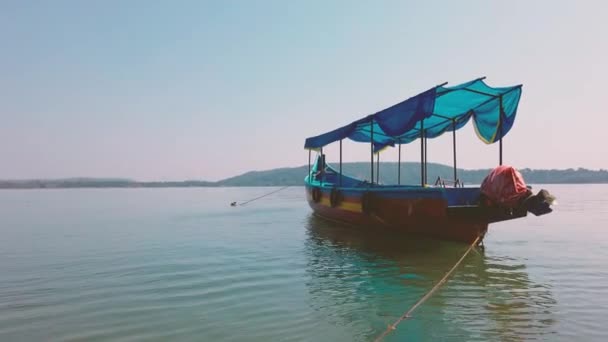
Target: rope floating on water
(428, 295)
(234, 204)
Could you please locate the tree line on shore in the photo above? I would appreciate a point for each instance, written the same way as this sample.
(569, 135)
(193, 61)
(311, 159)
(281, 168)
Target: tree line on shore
(410, 174)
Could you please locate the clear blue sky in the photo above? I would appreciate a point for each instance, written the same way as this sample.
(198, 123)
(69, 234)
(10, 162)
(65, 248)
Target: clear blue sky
(159, 90)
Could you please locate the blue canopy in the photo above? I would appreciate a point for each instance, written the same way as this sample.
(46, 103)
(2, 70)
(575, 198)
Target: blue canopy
(434, 112)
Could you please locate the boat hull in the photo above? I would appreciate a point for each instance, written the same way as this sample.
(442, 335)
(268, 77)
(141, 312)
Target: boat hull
(401, 211)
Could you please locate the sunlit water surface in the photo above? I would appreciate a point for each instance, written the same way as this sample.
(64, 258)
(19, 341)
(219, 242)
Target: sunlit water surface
(181, 264)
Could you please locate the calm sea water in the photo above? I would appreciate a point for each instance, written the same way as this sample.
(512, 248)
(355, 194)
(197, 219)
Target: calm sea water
(181, 264)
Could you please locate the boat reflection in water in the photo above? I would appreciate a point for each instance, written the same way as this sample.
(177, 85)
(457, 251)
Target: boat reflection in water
(361, 281)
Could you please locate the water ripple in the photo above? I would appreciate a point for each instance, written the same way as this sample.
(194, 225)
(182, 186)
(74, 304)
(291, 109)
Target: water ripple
(191, 269)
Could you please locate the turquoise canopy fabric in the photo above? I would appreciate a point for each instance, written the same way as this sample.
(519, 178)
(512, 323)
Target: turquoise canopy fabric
(436, 111)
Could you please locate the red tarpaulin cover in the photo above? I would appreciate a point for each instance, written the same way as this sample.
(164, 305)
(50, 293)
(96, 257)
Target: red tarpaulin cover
(504, 186)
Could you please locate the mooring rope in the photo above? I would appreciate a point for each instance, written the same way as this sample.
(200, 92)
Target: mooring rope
(428, 295)
(257, 198)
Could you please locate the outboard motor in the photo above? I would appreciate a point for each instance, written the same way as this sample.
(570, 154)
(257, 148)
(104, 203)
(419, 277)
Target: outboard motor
(505, 187)
(539, 204)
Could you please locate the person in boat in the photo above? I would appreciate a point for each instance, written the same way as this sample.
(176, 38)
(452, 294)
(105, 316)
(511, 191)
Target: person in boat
(323, 170)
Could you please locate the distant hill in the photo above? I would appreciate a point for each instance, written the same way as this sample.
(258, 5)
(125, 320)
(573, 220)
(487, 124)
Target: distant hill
(94, 183)
(410, 174)
(275, 177)
(67, 183)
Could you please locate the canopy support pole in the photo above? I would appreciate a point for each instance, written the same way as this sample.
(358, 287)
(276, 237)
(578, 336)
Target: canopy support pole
(322, 173)
(309, 175)
(378, 168)
(399, 167)
(425, 160)
(500, 131)
(454, 147)
(340, 162)
(421, 152)
(372, 150)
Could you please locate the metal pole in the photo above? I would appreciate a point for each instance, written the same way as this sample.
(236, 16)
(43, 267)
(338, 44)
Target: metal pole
(500, 131)
(500, 151)
(322, 173)
(454, 147)
(340, 162)
(399, 167)
(422, 152)
(372, 149)
(378, 168)
(309, 176)
(425, 160)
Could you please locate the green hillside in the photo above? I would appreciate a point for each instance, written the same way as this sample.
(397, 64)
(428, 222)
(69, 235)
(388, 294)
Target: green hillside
(410, 174)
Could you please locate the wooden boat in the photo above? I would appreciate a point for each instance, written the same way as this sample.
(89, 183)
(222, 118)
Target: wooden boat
(446, 212)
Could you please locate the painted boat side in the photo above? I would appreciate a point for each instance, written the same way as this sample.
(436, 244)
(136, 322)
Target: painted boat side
(420, 211)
